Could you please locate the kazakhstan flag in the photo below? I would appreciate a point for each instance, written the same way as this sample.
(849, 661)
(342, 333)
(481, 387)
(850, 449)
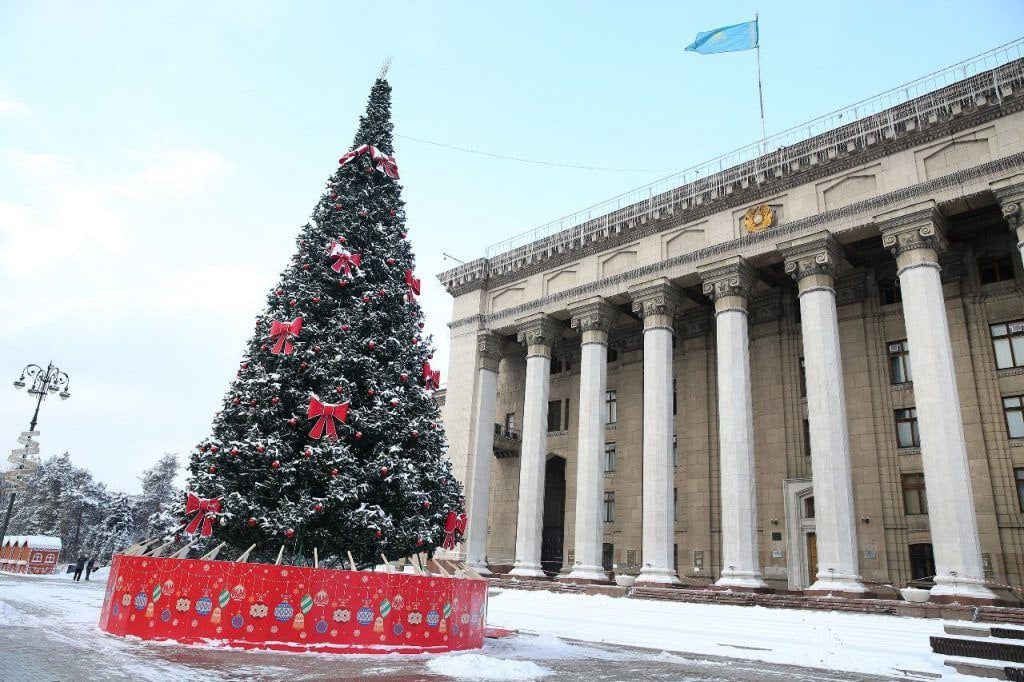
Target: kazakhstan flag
(726, 39)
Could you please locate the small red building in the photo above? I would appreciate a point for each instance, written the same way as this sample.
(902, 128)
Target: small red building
(33, 554)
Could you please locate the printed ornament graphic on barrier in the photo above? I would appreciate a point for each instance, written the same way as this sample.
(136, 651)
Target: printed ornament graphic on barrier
(162, 598)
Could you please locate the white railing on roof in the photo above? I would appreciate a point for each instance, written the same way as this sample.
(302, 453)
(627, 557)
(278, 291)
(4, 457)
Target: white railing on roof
(912, 106)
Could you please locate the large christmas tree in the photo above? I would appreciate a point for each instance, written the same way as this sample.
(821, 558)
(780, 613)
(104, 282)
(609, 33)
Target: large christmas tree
(329, 437)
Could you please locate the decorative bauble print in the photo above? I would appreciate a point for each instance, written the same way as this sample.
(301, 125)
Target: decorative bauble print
(238, 593)
(237, 621)
(283, 612)
(398, 602)
(140, 601)
(204, 605)
(157, 591)
(414, 617)
(126, 600)
(259, 609)
(464, 619)
(443, 627)
(378, 624)
(364, 616)
(433, 618)
(321, 598)
(215, 616)
(182, 605)
(299, 622)
(447, 610)
(397, 629)
(385, 607)
(149, 610)
(165, 615)
(342, 615)
(223, 598)
(306, 603)
(321, 626)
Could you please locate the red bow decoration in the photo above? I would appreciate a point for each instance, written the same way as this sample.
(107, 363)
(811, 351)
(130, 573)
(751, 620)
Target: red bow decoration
(454, 524)
(282, 333)
(431, 378)
(413, 284)
(205, 512)
(342, 259)
(326, 414)
(385, 164)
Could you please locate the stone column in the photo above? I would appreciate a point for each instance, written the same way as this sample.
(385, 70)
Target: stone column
(1010, 194)
(594, 320)
(728, 284)
(538, 333)
(812, 262)
(916, 236)
(657, 303)
(489, 355)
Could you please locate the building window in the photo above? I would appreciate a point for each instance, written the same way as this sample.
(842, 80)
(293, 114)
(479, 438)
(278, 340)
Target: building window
(556, 363)
(899, 362)
(611, 408)
(607, 555)
(995, 268)
(1018, 477)
(609, 507)
(510, 421)
(922, 562)
(803, 379)
(554, 416)
(565, 416)
(675, 450)
(673, 397)
(809, 507)
(907, 434)
(613, 355)
(807, 438)
(1013, 410)
(1008, 343)
(889, 291)
(914, 499)
(675, 504)
(609, 458)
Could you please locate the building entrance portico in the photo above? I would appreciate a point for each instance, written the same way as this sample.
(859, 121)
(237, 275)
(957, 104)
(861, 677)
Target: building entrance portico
(553, 534)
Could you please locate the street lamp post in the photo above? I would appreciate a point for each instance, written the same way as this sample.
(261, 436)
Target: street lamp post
(41, 382)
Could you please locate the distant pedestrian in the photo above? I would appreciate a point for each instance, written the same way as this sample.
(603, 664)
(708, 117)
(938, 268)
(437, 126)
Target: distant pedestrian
(79, 566)
(90, 567)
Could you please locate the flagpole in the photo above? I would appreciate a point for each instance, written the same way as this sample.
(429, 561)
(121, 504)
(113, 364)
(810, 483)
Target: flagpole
(760, 90)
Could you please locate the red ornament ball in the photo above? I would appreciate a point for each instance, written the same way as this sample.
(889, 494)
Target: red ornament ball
(419, 543)
(394, 402)
(279, 292)
(237, 401)
(234, 451)
(290, 533)
(371, 345)
(403, 235)
(392, 213)
(366, 299)
(252, 402)
(213, 470)
(370, 391)
(293, 421)
(308, 453)
(426, 504)
(338, 207)
(415, 434)
(316, 299)
(245, 365)
(363, 214)
(390, 261)
(260, 449)
(293, 303)
(263, 347)
(345, 327)
(338, 390)
(382, 293)
(304, 365)
(318, 507)
(358, 435)
(275, 464)
(252, 521)
(383, 472)
(430, 357)
(342, 282)
(379, 534)
(334, 195)
(334, 472)
(420, 325)
(214, 448)
(341, 239)
(305, 266)
(404, 376)
(275, 400)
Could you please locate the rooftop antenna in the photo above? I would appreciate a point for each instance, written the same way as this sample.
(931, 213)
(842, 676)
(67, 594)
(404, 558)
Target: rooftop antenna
(384, 68)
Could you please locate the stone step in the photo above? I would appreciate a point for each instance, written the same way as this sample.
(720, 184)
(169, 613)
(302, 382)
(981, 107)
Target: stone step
(966, 630)
(983, 649)
(1008, 633)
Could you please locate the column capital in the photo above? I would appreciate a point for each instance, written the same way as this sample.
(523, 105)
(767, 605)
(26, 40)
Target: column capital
(920, 226)
(656, 298)
(593, 316)
(729, 277)
(540, 329)
(1009, 192)
(816, 256)
(488, 346)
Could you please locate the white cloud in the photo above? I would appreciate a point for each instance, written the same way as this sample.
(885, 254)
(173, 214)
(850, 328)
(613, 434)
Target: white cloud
(14, 109)
(175, 174)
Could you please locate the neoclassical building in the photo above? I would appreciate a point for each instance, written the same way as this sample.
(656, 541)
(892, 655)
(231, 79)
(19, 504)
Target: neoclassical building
(800, 370)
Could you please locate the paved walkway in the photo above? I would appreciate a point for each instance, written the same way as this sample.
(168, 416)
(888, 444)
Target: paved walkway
(48, 632)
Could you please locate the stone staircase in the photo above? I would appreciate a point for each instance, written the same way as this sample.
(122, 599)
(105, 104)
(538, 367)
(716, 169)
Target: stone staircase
(994, 652)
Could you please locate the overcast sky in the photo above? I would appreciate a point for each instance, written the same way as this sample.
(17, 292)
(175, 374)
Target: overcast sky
(157, 159)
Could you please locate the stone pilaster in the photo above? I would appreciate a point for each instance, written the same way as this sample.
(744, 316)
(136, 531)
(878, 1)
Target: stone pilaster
(728, 284)
(478, 495)
(916, 236)
(657, 303)
(812, 261)
(1010, 194)
(594, 320)
(538, 333)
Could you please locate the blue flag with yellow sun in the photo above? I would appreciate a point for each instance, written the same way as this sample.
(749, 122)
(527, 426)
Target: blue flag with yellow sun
(726, 39)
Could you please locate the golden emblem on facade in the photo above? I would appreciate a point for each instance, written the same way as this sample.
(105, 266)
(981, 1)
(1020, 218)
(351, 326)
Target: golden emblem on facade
(758, 218)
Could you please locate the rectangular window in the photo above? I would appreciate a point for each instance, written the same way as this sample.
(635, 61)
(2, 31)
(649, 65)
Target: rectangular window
(565, 413)
(554, 416)
(1008, 344)
(609, 458)
(914, 499)
(611, 408)
(673, 396)
(907, 435)
(675, 450)
(609, 507)
(1018, 476)
(997, 268)
(1013, 410)
(899, 362)
(803, 379)
(675, 504)
(510, 421)
(889, 291)
(613, 354)
(807, 438)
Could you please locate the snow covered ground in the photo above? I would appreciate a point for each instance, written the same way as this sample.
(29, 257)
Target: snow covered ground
(48, 631)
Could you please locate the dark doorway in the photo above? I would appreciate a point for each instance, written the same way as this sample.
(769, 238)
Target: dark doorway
(607, 555)
(552, 536)
(922, 562)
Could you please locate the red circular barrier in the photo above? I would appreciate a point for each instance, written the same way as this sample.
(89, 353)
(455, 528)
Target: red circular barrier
(292, 608)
